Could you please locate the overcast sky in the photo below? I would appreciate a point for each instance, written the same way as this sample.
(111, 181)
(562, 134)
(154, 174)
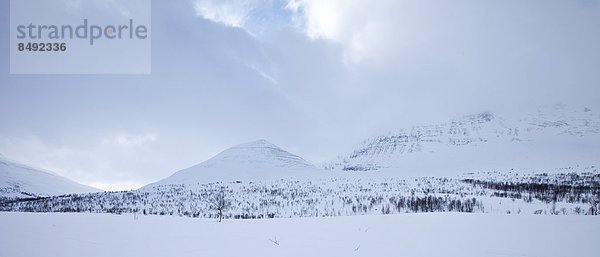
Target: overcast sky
(312, 76)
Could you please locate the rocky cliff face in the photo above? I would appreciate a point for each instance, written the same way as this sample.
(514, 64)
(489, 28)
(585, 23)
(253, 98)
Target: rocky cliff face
(557, 126)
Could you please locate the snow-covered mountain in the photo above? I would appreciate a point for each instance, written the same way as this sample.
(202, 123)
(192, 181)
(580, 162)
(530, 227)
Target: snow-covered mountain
(254, 161)
(550, 138)
(260, 180)
(22, 181)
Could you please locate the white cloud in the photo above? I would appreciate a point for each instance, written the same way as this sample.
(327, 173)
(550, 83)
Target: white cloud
(229, 12)
(257, 17)
(321, 19)
(361, 27)
(129, 140)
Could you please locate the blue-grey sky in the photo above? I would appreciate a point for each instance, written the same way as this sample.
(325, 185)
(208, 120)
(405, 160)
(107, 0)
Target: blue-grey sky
(312, 76)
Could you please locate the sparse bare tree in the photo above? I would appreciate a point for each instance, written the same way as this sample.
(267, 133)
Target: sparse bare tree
(220, 203)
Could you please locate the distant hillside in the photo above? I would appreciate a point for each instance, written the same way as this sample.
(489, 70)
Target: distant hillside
(547, 138)
(21, 181)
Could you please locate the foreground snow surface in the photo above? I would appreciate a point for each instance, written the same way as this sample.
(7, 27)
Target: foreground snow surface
(433, 234)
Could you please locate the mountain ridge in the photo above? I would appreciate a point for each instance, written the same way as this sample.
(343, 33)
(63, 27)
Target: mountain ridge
(19, 180)
(481, 135)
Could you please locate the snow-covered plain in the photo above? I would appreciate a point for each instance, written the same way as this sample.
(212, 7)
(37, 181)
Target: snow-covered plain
(432, 234)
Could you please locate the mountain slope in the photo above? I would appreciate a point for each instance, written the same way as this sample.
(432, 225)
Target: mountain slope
(551, 138)
(19, 180)
(254, 161)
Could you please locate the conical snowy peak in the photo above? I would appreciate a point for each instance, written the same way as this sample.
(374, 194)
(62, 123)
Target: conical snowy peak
(257, 153)
(254, 161)
(261, 143)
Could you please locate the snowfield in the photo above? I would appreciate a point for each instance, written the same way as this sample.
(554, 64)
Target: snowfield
(423, 234)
